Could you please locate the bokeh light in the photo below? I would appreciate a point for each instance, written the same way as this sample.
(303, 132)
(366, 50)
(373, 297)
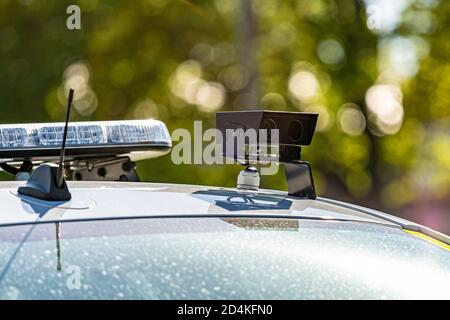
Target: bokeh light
(77, 77)
(304, 85)
(351, 120)
(384, 102)
(273, 101)
(146, 109)
(210, 96)
(187, 84)
(331, 52)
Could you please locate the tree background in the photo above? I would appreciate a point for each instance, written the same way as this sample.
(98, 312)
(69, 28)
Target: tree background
(376, 71)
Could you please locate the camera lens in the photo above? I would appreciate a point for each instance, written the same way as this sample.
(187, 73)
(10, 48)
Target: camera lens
(295, 131)
(268, 124)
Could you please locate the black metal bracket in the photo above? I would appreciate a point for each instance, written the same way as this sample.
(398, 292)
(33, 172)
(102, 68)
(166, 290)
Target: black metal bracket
(26, 166)
(298, 173)
(113, 169)
(299, 179)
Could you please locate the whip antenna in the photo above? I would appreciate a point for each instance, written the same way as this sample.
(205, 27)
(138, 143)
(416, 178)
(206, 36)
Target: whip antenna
(60, 173)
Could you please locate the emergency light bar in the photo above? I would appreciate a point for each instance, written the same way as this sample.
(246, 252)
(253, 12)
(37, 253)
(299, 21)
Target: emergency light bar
(84, 139)
(83, 151)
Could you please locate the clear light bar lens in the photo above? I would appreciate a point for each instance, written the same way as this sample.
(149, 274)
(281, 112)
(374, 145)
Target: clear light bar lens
(13, 137)
(52, 136)
(126, 133)
(84, 134)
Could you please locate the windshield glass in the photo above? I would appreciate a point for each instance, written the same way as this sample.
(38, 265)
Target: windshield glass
(212, 258)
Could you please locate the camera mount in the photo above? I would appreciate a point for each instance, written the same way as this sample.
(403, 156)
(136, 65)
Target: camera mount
(286, 131)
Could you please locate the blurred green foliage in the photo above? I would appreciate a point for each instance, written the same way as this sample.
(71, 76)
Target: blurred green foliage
(135, 59)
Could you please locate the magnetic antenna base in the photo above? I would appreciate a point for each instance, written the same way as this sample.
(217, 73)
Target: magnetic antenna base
(42, 185)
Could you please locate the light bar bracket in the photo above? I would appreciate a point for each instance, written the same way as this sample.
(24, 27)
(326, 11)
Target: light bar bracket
(114, 169)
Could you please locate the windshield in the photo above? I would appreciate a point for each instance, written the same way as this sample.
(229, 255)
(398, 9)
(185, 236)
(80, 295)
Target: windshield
(212, 258)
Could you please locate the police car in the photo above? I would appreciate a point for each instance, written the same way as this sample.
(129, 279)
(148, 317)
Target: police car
(102, 235)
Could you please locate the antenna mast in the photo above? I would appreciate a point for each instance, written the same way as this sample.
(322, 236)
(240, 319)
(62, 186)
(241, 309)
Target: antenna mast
(47, 181)
(60, 172)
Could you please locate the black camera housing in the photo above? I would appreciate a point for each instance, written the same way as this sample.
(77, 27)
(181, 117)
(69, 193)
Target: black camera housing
(295, 128)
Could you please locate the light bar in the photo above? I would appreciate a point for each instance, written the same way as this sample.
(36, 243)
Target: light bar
(20, 141)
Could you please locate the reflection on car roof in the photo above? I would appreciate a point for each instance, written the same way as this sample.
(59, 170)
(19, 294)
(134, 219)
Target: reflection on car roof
(109, 200)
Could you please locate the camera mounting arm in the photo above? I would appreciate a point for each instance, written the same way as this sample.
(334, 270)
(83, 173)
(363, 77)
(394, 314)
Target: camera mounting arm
(299, 179)
(293, 129)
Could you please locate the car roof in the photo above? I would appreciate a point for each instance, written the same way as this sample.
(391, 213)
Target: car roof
(103, 200)
(109, 200)
(97, 200)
